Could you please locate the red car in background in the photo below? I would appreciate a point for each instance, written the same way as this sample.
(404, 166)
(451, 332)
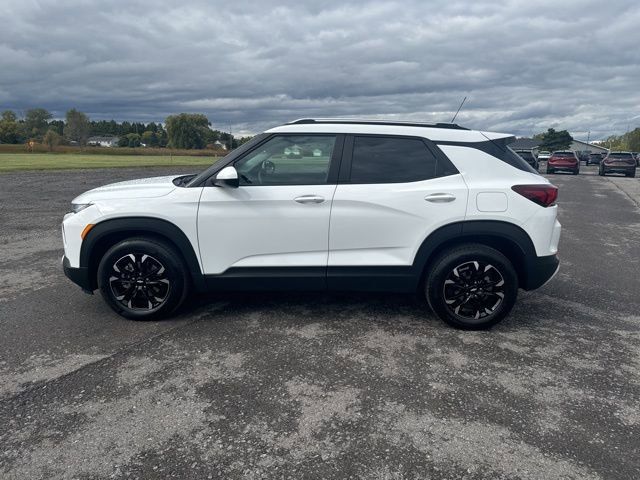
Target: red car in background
(618, 162)
(564, 161)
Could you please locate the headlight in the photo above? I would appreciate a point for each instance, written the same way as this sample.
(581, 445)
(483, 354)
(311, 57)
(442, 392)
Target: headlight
(78, 207)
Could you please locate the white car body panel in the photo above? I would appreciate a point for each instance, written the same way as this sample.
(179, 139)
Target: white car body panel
(434, 134)
(179, 206)
(483, 175)
(385, 224)
(139, 188)
(263, 226)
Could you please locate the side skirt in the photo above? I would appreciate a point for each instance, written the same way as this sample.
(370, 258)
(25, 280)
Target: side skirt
(364, 279)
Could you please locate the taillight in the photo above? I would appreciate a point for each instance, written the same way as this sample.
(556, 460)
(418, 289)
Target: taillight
(543, 195)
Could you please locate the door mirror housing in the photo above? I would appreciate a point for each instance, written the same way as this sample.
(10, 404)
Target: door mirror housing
(227, 177)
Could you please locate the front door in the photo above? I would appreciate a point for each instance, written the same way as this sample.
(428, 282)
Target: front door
(277, 220)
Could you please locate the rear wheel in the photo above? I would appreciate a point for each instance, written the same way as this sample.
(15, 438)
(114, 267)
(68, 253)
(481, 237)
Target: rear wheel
(142, 278)
(472, 286)
(632, 174)
(549, 170)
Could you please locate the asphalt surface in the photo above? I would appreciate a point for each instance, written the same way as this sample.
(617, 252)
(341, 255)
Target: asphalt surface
(320, 386)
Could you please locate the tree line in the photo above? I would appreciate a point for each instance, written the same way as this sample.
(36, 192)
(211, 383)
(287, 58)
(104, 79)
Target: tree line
(184, 130)
(627, 142)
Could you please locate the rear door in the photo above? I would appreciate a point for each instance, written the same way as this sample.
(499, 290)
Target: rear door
(392, 193)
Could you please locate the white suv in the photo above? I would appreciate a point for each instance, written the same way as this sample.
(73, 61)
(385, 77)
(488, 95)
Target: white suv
(327, 205)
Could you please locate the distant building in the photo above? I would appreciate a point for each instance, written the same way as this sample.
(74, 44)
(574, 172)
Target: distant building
(219, 145)
(524, 143)
(533, 145)
(578, 146)
(103, 141)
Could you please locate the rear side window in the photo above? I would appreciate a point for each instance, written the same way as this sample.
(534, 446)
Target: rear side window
(395, 160)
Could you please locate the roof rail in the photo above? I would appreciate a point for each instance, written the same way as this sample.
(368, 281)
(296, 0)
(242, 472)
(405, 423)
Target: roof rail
(355, 121)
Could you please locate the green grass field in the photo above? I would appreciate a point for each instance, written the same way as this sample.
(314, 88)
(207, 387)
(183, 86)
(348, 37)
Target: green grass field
(10, 162)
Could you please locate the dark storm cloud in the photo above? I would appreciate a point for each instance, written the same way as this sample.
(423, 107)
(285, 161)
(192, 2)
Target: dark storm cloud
(525, 65)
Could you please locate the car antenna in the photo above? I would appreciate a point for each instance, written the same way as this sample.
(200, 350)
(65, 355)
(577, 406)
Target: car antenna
(457, 111)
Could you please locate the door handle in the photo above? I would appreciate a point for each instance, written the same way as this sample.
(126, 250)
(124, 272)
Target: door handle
(309, 199)
(440, 198)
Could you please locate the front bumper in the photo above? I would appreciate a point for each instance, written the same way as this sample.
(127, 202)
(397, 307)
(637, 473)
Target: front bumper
(79, 276)
(540, 270)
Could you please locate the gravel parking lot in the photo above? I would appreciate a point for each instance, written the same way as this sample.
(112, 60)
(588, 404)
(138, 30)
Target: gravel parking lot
(321, 386)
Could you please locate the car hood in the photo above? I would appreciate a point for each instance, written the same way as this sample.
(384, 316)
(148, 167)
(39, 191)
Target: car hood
(140, 188)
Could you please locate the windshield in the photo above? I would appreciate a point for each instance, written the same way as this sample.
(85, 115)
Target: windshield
(563, 154)
(620, 155)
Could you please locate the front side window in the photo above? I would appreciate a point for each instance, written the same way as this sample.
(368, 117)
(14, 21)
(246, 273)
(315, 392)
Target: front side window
(391, 160)
(288, 160)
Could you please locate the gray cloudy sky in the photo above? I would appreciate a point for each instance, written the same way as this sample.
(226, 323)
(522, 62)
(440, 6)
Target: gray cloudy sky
(526, 65)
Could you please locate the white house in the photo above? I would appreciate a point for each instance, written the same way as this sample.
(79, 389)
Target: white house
(103, 141)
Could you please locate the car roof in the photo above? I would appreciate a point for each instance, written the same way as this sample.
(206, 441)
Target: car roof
(436, 132)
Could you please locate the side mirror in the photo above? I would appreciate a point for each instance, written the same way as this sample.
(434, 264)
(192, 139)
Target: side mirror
(227, 177)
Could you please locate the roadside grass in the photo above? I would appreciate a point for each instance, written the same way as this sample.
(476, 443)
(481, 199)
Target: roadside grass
(10, 162)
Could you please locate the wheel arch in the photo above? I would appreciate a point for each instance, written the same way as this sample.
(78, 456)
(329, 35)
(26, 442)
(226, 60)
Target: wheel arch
(109, 232)
(511, 240)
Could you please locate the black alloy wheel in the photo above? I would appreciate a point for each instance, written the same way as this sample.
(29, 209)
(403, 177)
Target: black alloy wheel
(471, 286)
(139, 282)
(474, 290)
(143, 278)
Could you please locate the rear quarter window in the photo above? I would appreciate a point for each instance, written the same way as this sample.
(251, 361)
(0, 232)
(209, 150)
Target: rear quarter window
(497, 149)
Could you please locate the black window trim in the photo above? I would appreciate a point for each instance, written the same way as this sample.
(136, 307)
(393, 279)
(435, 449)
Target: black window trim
(347, 158)
(334, 162)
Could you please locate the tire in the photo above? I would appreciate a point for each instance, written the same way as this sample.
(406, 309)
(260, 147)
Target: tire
(632, 174)
(489, 267)
(601, 172)
(549, 171)
(143, 278)
(576, 171)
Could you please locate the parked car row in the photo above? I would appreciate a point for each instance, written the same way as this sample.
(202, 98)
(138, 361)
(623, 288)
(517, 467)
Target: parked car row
(569, 161)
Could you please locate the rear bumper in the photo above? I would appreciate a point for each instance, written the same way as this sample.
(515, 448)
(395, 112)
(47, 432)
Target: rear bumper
(540, 270)
(79, 276)
(618, 168)
(569, 168)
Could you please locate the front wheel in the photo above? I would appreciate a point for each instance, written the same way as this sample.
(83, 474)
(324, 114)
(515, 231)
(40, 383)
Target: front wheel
(472, 287)
(143, 278)
(632, 174)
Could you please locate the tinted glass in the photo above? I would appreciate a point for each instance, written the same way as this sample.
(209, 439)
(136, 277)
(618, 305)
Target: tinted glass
(526, 155)
(288, 160)
(620, 155)
(512, 158)
(391, 160)
(563, 154)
